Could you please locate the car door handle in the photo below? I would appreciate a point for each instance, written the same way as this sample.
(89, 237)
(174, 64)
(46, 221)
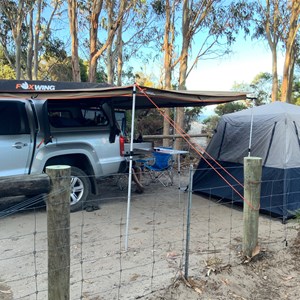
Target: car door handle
(19, 145)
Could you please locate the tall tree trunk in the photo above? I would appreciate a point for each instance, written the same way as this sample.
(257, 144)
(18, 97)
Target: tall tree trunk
(18, 57)
(109, 50)
(30, 47)
(274, 75)
(94, 19)
(17, 33)
(290, 41)
(94, 53)
(72, 9)
(120, 55)
(37, 39)
(183, 66)
(110, 64)
(291, 76)
(15, 12)
(272, 38)
(93, 69)
(167, 68)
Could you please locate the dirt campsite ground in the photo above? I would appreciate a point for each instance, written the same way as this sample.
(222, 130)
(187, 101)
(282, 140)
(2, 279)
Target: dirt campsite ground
(153, 267)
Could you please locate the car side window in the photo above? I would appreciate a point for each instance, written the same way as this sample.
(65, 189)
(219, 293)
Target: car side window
(76, 116)
(94, 116)
(13, 118)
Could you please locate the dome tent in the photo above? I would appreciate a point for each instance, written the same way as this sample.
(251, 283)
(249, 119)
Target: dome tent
(269, 131)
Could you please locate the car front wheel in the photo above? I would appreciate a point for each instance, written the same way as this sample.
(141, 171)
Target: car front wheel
(80, 189)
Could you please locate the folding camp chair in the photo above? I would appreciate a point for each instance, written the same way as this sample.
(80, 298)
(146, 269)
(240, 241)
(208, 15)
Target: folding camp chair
(161, 169)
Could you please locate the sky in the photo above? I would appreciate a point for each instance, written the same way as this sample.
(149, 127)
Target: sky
(248, 59)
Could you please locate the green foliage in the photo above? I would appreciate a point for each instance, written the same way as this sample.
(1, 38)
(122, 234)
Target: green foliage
(158, 6)
(147, 121)
(211, 122)
(296, 92)
(277, 21)
(230, 107)
(150, 121)
(54, 47)
(6, 71)
(83, 65)
(191, 114)
(260, 88)
(61, 70)
(55, 70)
(128, 77)
(101, 75)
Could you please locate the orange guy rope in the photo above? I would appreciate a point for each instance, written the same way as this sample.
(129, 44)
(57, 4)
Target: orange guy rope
(184, 135)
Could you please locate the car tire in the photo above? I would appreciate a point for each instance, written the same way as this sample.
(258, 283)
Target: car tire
(80, 189)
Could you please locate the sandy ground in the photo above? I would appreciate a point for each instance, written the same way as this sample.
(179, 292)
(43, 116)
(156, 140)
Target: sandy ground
(153, 267)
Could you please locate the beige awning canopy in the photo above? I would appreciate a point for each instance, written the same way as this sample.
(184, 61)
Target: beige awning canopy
(121, 97)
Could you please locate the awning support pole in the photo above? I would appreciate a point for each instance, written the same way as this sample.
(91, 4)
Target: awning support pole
(130, 165)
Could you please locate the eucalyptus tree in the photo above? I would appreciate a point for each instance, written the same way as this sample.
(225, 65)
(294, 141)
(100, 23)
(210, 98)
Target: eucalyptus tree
(214, 23)
(73, 21)
(169, 38)
(259, 89)
(15, 13)
(118, 31)
(278, 22)
(115, 13)
(167, 11)
(6, 71)
(207, 30)
(25, 28)
(292, 49)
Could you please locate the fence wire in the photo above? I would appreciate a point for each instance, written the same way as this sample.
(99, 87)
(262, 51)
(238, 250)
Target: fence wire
(155, 259)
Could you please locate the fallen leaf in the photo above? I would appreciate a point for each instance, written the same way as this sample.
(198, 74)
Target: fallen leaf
(287, 278)
(255, 251)
(172, 255)
(5, 292)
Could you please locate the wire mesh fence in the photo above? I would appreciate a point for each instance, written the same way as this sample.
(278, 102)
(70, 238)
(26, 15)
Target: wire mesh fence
(156, 255)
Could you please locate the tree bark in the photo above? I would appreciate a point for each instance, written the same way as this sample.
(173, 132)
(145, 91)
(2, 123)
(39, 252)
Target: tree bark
(290, 41)
(183, 67)
(72, 10)
(120, 55)
(94, 19)
(274, 96)
(167, 68)
(17, 34)
(109, 50)
(36, 39)
(94, 53)
(30, 47)
(272, 37)
(291, 77)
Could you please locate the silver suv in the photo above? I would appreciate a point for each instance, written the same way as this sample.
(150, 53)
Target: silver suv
(81, 133)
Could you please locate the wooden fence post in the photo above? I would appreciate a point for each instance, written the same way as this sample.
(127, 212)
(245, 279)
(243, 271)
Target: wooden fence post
(58, 227)
(252, 184)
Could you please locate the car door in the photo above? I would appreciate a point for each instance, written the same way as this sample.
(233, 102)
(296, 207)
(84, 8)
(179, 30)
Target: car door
(105, 142)
(15, 138)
